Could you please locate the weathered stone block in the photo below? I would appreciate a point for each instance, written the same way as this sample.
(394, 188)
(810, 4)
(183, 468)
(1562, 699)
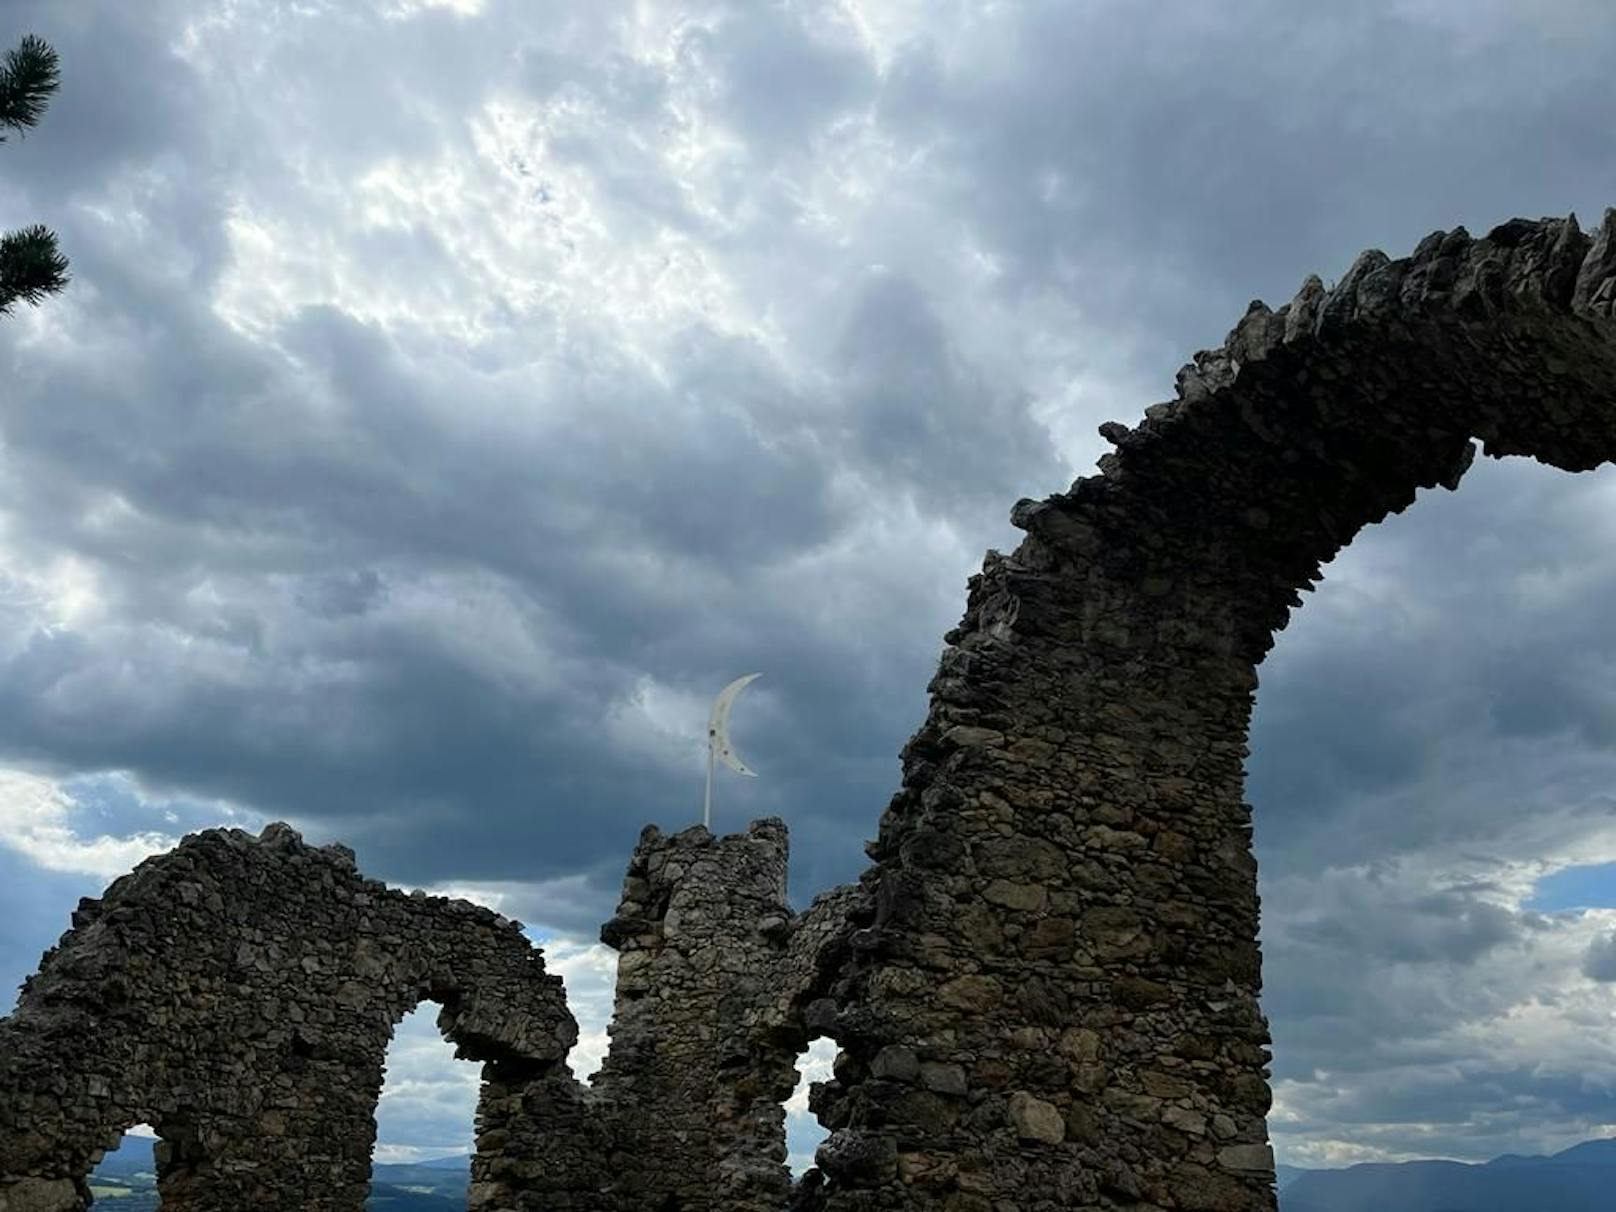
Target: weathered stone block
(1259, 1158)
(1025, 897)
(39, 1195)
(1034, 1119)
(943, 1078)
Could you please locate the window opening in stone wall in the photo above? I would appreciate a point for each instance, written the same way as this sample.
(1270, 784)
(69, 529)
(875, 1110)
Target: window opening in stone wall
(804, 1132)
(588, 972)
(125, 1179)
(424, 1119)
(1430, 769)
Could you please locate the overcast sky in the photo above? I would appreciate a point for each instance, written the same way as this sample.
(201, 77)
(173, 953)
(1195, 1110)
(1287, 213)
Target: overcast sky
(452, 395)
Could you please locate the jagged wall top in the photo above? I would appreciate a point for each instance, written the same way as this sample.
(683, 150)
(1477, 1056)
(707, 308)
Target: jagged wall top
(1318, 418)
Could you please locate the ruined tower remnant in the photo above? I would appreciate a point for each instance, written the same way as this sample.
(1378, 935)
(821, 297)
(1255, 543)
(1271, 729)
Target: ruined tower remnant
(1045, 987)
(705, 1036)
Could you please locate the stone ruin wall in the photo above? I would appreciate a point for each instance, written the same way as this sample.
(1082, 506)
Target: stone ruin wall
(715, 980)
(1064, 889)
(238, 995)
(1045, 987)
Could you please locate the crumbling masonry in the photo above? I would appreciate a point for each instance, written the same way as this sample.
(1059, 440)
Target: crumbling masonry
(1045, 987)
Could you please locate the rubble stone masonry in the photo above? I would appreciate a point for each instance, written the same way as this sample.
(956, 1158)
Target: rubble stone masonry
(238, 995)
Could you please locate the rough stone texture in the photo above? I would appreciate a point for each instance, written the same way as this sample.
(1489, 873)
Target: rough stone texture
(1044, 989)
(1065, 894)
(238, 995)
(710, 1016)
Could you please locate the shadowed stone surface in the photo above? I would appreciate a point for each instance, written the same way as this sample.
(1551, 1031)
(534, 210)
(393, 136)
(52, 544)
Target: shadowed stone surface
(1044, 989)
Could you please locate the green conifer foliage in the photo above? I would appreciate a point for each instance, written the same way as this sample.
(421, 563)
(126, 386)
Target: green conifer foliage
(31, 266)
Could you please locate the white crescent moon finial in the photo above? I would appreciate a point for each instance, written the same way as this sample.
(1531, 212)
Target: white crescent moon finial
(718, 724)
(718, 746)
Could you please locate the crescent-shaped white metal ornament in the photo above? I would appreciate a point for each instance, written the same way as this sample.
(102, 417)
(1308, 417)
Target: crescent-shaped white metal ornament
(718, 745)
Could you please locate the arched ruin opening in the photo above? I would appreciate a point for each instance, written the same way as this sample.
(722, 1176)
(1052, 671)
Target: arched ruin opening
(143, 1167)
(1410, 780)
(125, 1178)
(425, 1113)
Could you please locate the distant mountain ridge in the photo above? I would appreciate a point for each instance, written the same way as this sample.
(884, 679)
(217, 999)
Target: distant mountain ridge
(1578, 1179)
(1288, 1174)
(126, 1182)
(455, 1161)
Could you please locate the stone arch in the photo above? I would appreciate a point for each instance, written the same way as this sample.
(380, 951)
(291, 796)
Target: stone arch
(1065, 895)
(238, 994)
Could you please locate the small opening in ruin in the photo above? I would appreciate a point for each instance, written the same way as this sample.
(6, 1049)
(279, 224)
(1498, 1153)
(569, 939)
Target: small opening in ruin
(588, 972)
(804, 1132)
(424, 1118)
(125, 1179)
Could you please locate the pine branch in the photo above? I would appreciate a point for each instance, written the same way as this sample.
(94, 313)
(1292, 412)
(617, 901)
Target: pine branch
(29, 74)
(30, 266)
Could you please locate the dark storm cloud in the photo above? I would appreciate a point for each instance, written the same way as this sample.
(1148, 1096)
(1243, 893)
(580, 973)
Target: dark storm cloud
(1182, 159)
(1408, 771)
(1436, 927)
(445, 405)
(259, 477)
(922, 415)
(1444, 647)
(1462, 1101)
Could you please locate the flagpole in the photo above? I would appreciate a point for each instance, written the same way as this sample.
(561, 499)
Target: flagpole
(707, 803)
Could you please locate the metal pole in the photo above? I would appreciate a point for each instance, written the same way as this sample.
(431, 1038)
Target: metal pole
(707, 803)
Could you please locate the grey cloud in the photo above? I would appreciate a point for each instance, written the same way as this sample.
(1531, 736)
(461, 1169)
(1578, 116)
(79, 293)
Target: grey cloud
(1099, 148)
(754, 53)
(920, 412)
(1460, 1097)
(1442, 927)
(126, 99)
(1454, 654)
(335, 595)
(1374, 975)
(634, 90)
(1599, 962)
(395, 689)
